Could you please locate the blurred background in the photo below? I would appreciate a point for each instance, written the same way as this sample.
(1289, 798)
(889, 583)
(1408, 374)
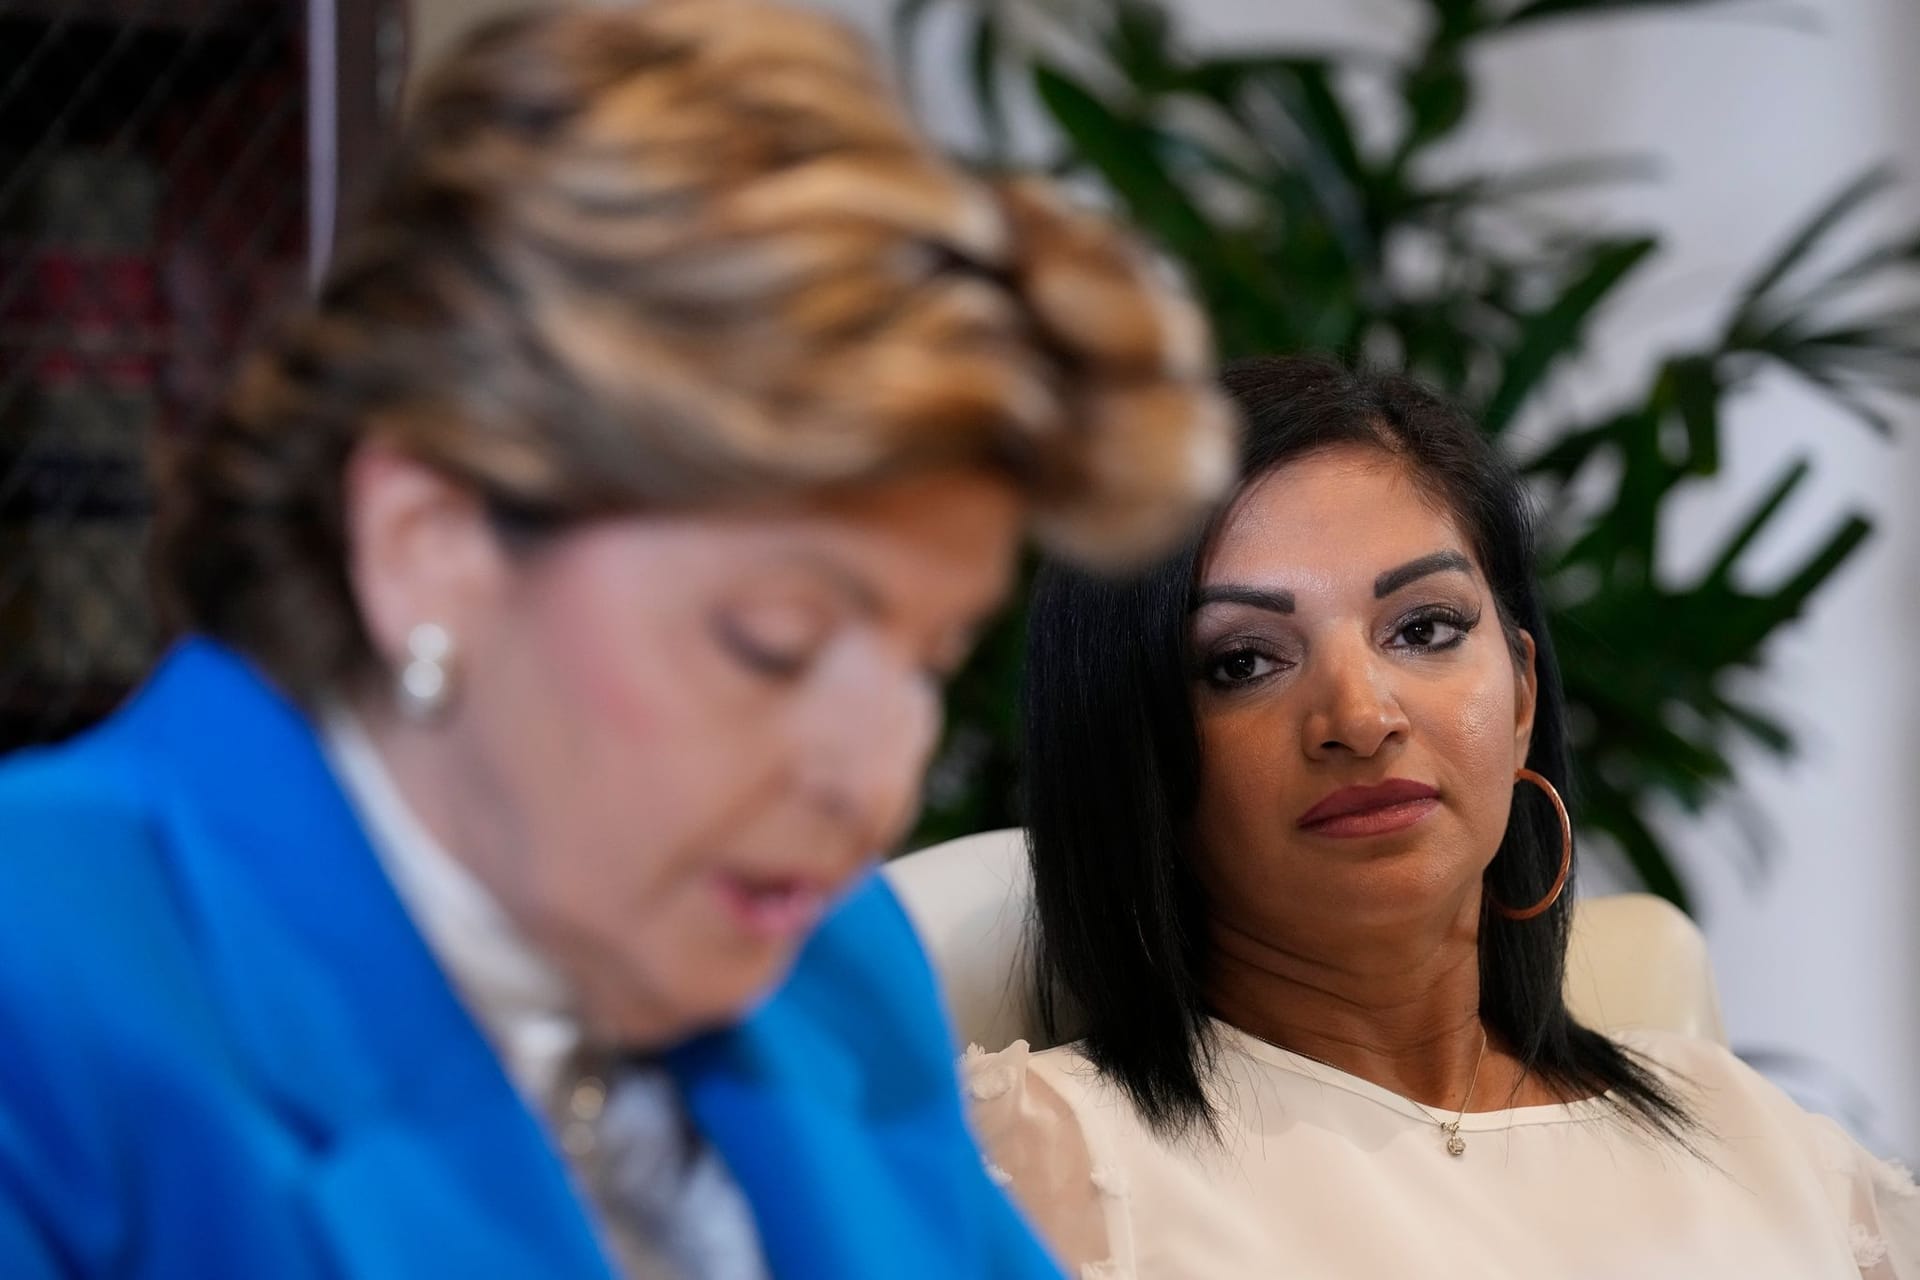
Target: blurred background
(1667, 250)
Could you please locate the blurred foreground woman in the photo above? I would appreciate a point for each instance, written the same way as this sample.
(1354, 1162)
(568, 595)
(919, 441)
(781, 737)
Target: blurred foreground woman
(570, 590)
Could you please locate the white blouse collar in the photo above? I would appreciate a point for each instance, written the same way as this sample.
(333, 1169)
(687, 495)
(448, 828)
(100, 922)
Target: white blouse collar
(1266, 1051)
(517, 996)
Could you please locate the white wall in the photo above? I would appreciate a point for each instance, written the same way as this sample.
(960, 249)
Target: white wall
(1755, 120)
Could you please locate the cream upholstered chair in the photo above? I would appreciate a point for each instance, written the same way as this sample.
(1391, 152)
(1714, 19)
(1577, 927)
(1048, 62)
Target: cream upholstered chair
(1635, 960)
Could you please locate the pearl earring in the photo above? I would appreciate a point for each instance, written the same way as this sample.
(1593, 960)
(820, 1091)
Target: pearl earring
(424, 686)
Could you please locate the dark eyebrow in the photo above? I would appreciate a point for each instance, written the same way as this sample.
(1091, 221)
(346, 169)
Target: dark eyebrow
(1271, 601)
(1414, 570)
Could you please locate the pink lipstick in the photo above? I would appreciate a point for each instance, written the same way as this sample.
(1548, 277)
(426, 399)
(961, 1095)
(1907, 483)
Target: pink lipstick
(1377, 810)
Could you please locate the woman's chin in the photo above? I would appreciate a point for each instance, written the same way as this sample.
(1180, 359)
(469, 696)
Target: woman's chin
(728, 990)
(703, 988)
(1396, 891)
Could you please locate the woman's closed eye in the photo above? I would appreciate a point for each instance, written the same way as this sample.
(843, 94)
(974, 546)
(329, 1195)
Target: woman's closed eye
(1432, 630)
(778, 642)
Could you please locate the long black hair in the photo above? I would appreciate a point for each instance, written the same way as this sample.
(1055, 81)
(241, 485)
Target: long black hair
(1113, 765)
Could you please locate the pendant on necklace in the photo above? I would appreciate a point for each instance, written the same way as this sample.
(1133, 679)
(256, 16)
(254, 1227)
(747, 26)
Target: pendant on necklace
(1456, 1145)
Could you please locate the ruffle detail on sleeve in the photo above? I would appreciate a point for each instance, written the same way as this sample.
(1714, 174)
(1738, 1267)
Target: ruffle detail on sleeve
(1036, 1148)
(1895, 1179)
(1881, 1204)
(1869, 1250)
(991, 1075)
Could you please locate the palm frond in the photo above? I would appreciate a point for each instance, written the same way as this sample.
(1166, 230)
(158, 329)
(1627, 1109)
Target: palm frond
(1554, 333)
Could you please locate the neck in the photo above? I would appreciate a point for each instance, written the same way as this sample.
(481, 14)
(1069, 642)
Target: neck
(462, 804)
(420, 769)
(1399, 1007)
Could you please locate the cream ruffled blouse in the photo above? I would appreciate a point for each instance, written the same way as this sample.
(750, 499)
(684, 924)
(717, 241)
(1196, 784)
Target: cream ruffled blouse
(1322, 1174)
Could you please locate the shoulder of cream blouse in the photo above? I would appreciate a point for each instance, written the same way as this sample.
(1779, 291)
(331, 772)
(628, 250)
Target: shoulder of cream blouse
(1055, 1131)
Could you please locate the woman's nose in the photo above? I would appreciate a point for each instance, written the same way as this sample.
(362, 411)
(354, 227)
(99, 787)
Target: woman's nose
(1353, 710)
(870, 753)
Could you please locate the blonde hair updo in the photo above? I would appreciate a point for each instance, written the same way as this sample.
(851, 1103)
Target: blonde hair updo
(682, 254)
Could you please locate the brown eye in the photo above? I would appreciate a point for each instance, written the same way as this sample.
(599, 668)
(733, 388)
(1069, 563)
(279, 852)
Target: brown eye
(1432, 631)
(1240, 666)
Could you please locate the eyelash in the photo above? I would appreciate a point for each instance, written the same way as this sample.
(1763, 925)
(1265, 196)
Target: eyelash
(785, 667)
(1463, 624)
(1210, 669)
(757, 657)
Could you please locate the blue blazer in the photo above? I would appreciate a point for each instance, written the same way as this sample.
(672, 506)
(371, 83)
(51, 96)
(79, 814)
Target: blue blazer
(225, 1051)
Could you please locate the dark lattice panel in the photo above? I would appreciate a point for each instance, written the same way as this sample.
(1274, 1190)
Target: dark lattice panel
(152, 209)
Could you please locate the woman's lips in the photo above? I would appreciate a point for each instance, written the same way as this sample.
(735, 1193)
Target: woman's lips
(777, 909)
(1354, 812)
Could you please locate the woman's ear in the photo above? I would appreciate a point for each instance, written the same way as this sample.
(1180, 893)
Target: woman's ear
(420, 549)
(1526, 695)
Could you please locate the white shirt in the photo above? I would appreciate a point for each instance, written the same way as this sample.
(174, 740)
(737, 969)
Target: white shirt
(1323, 1174)
(519, 999)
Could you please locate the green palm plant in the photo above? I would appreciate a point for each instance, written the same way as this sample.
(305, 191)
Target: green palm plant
(1300, 233)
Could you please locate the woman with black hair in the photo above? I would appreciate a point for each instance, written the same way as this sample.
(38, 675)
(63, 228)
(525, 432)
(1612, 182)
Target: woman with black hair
(1301, 867)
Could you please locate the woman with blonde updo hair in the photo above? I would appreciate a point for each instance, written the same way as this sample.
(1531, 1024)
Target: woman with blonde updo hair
(567, 593)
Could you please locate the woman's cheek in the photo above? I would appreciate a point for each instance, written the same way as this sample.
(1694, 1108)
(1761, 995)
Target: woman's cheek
(1478, 740)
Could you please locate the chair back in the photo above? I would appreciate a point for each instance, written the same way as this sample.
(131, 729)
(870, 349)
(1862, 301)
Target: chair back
(1635, 961)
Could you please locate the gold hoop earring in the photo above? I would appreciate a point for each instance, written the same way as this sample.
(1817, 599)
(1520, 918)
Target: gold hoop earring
(1566, 853)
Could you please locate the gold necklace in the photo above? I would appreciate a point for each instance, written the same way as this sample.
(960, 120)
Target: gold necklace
(1456, 1145)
